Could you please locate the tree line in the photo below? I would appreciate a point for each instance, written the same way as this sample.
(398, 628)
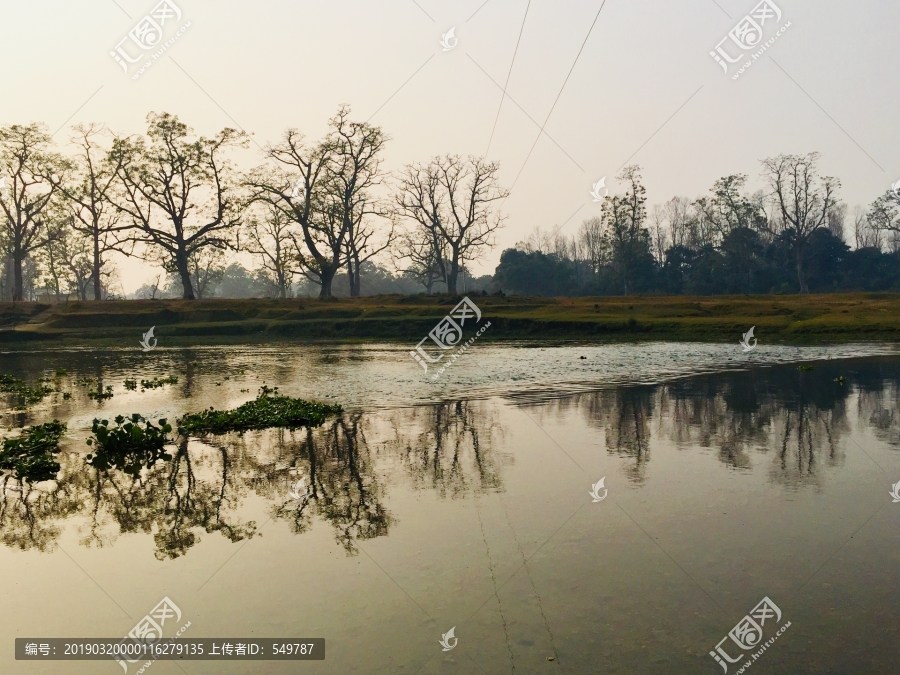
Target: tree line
(309, 211)
(787, 238)
(323, 217)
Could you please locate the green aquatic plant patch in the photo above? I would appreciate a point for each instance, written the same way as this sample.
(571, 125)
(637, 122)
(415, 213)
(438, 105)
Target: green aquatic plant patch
(26, 395)
(31, 456)
(159, 382)
(100, 394)
(129, 445)
(269, 409)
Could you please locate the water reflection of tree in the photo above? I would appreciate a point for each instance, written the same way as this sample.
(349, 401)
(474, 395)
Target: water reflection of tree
(878, 404)
(449, 447)
(202, 489)
(339, 485)
(797, 418)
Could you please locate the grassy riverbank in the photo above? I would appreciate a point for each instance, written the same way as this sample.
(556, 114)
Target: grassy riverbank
(782, 318)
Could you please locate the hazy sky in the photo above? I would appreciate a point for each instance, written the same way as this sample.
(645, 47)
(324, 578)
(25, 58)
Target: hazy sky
(644, 88)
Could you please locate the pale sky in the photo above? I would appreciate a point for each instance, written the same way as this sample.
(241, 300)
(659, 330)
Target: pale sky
(644, 88)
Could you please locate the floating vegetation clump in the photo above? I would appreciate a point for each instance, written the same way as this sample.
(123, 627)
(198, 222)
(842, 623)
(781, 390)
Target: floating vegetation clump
(130, 445)
(101, 395)
(158, 382)
(26, 395)
(270, 409)
(130, 385)
(31, 455)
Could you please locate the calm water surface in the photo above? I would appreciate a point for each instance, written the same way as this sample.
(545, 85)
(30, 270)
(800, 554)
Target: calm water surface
(466, 503)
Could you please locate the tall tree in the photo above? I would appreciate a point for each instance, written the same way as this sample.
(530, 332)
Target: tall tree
(728, 209)
(452, 199)
(351, 175)
(422, 248)
(270, 237)
(802, 199)
(90, 198)
(625, 235)
(27, 196)
(324, 188)
(180, 194)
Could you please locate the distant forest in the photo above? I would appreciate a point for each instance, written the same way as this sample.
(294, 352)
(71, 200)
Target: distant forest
(323, 218)
(791, 240)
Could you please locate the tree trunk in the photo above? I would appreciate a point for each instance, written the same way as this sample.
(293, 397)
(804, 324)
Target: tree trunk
(800, 279)
(18, 284)
(181, 263)
(453, 275)
(327, 277)
(352, 277)
(95, 271)
(353, 269)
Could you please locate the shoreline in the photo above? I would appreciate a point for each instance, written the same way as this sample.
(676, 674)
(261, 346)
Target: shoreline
(782, 319)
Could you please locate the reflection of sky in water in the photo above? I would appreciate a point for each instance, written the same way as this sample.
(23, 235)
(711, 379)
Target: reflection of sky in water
(723, 488)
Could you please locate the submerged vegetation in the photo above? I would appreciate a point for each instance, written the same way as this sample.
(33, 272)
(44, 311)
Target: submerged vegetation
(130, 445)
(31, 455)
(269, 409)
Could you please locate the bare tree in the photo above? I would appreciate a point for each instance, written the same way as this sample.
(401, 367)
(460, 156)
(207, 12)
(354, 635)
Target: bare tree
(362, 246)
(425, 253)
(864, 234)
(356, 148)
(270, 238)
(452, 199)
(27, 197)
(89, 200)
(802, 199)
(180, 194)
(590, 238)
(659, 236)
(883, 218)
(679, 215)
(837, 216)
(323, 188)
